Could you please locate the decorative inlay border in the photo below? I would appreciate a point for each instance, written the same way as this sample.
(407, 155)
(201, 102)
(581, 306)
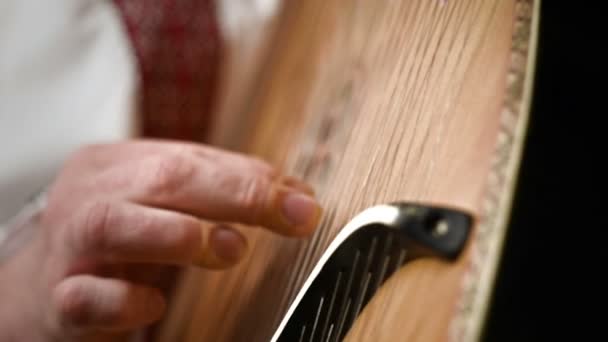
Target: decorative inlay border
(491, 231)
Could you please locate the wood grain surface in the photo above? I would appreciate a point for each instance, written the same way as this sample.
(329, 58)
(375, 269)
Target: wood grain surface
(373, 102)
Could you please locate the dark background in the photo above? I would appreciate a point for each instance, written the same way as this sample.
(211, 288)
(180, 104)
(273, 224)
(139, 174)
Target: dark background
(549, 280)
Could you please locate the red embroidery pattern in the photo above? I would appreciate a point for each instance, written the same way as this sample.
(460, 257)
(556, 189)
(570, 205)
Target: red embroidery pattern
(177, 44)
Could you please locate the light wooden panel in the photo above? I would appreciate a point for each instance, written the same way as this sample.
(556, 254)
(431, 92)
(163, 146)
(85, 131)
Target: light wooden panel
(371, 102)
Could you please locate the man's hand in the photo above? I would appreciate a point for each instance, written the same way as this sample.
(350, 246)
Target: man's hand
(118, 214)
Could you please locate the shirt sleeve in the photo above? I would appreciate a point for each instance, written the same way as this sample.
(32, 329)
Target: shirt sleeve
(67, 78)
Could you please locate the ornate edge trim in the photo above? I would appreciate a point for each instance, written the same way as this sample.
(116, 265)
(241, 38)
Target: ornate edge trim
(488, 240)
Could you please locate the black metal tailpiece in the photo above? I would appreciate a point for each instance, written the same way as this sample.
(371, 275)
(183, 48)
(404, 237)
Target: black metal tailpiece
(374, 245)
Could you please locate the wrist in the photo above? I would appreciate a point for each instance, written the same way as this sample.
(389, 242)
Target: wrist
(22, 312)
(21, 228)
(22, 287)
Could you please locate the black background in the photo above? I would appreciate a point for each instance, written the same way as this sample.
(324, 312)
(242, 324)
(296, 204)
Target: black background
(549, 280)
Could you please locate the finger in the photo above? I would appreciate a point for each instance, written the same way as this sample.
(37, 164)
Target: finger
(102, 155)
(237, 161)
(98, 157)
(109, 153)
(223, 193)
(127, 232)
(123, 231)
(87, 303)
(222, 246)
(161, 277)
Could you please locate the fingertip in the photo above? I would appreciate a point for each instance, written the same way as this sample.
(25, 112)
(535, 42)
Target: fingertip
(301, 211)
(290, 212)
(228, 243)
(71, 302)
(222, 247)
(86, 303)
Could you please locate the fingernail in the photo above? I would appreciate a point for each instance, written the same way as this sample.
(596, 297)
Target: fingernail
(300, 210)
(227, 244)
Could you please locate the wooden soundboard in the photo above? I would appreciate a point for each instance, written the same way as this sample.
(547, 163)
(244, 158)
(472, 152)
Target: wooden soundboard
(373, 102)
